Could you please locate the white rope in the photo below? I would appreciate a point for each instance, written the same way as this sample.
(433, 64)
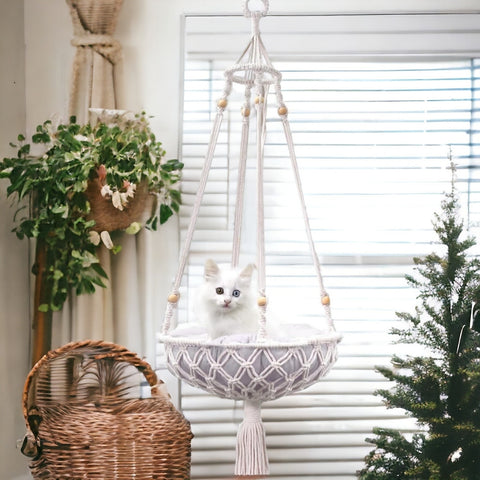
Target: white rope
(174, 296)
(198, 199)
(311, 243)
(242, 168)
(252, 13)
(261, 132)
(251, 447)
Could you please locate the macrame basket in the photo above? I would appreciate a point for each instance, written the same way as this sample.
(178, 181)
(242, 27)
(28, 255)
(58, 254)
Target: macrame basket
(138, 209)
(94, 410)
(256, 372)
(261, 368)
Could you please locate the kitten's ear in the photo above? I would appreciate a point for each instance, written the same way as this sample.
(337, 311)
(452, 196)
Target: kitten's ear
(211, 270)
(247, 272)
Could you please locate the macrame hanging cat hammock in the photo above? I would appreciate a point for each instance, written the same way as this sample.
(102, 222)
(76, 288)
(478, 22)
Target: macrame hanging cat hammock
(262, 368)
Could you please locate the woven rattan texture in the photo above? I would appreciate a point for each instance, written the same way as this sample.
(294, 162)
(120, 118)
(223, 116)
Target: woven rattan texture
(139, 208)
(82, 407)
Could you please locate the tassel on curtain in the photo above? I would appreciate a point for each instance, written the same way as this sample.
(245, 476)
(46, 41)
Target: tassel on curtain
(116, 313)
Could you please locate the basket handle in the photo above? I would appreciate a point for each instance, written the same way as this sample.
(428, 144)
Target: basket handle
(106, 350)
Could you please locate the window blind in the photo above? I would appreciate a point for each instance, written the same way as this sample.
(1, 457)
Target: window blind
(376, 103)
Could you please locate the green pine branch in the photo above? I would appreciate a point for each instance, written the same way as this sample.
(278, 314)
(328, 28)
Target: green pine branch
(441, 387)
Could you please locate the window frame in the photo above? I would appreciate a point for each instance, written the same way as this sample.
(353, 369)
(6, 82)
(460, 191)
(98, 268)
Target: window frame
(189, 393)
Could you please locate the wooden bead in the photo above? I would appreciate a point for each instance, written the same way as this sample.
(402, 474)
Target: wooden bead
(283, 110)
(259, 100)
(325, 300)
(246, 112)
(173, 298)
(222, 103)
(262, 301)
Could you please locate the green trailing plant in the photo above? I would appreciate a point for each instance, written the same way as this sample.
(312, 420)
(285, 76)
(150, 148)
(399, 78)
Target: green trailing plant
(119, 154)
(441, 387)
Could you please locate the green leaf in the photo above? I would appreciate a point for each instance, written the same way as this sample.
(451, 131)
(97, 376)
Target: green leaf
(59, 209)
(98, 281)
(43, 307)
(43, 137)
(165, 213)
(116, 249)
(172, 165)
(154, 223)
(99, 270)
(175, 207)
(57, 274)
(26, 188)
(176, 195)
(24, 149)
(133, 228)
(56, 307)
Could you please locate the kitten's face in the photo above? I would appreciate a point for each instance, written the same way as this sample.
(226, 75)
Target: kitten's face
(227, 290)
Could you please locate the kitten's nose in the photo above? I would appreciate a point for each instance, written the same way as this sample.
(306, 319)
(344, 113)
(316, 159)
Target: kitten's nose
(227, 301)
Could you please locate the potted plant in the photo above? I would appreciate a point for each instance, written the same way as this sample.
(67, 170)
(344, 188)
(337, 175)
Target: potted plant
(86, 181)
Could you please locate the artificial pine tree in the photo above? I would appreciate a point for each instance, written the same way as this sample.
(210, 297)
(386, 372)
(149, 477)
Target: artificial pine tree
(441, 387)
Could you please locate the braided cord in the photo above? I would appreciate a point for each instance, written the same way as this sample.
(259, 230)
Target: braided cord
(174, 296)
(308, 230)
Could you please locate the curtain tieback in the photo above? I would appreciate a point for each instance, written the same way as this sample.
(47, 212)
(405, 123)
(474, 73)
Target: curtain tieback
(105, 45)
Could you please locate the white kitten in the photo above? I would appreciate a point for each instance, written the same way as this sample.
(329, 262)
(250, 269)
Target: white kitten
(226, 302)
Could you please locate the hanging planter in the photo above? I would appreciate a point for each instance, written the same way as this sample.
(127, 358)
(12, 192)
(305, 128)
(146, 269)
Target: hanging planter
(107, 217)
(86, 181)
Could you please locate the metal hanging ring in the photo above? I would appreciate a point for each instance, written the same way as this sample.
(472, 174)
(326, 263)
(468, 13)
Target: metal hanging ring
(255, 12)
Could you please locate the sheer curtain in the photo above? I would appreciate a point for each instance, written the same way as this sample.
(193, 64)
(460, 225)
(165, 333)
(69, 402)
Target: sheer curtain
(95, 67)
(116, 313)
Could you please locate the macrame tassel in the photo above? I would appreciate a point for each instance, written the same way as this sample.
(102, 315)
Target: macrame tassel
(251, 443)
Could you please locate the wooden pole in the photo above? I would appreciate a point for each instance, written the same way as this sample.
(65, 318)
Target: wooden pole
(42, 321)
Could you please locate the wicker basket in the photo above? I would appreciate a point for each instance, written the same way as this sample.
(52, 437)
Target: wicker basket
(139, 208)
(86, 418)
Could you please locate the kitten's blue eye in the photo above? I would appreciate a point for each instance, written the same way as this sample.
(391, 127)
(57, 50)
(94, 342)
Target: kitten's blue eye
(219, 290)
(236, 293)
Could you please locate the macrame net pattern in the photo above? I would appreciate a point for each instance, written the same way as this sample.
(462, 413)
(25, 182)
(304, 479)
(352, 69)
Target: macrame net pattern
(260, 368)
(249, 371)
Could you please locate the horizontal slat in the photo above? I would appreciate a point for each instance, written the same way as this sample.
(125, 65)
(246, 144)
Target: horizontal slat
(290, 455)
(312, 427)
(306, 440)
(338, 35)
(292, 471)
(342, 414)
(297, 401)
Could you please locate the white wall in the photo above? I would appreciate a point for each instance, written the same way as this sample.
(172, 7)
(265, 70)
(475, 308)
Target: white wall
(14, 295)
(34, 80)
